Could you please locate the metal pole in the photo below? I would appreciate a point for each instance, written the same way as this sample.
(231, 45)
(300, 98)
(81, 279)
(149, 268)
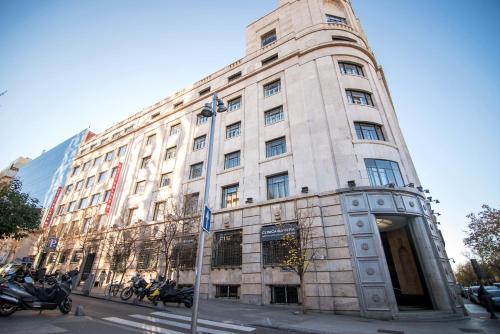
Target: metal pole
(201, 241)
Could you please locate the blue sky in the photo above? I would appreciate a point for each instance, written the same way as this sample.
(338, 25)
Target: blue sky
(68, 65)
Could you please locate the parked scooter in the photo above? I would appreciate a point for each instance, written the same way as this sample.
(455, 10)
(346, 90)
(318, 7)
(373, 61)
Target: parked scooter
(16, 295)
(137, 286)
(170, 294)
(151, 291)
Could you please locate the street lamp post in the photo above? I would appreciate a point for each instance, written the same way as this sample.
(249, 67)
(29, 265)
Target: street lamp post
(207, 111)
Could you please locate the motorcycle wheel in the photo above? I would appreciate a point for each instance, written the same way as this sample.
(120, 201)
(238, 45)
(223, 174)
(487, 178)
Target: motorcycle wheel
(7, 309)
(126, 293)
(65, 306)
(188, 302)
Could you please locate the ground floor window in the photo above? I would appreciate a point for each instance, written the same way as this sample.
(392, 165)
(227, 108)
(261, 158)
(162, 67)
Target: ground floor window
(274, 248)
(284, 294)
(148, 256)
(227, 291)
(226, 250)
(184, 253)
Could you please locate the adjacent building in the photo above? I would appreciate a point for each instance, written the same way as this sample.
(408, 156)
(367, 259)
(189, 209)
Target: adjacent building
(310, 125)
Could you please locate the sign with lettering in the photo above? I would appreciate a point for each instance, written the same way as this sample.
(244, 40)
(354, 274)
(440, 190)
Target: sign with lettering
(277, 232)
(52, 243)
(113, 188)
(52, 208)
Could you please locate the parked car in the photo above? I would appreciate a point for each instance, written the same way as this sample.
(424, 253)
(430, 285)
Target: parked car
(464, 291)
(497, 284)
(494, 295)
(473, 297)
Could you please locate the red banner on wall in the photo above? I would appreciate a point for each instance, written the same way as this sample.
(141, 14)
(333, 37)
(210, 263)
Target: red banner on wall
(113, 188)
(52, 208)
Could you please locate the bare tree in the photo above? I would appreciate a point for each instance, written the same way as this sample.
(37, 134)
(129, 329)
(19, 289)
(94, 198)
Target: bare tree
(301, 245)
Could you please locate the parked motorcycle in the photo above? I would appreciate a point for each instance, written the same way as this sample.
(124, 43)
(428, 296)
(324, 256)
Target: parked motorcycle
(137, 286)
(170, 294)
(151, 291)
(15, 295)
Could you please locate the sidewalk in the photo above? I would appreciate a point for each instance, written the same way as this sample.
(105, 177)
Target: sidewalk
(284, 318)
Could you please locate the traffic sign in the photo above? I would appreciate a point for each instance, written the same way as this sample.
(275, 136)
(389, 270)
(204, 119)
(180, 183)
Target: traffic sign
(52, 243)
(207, 215)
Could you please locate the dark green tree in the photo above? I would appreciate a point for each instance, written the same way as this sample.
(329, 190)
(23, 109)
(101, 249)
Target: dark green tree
(19, 213)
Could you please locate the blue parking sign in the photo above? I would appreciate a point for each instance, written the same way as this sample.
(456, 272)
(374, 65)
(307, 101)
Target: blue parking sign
(207, 215)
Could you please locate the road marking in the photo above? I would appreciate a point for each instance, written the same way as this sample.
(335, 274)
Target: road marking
(140, 325)
(205, 322)
(178, 324)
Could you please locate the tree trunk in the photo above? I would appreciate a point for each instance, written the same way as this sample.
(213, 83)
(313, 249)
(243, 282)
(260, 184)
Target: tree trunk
(303, 293)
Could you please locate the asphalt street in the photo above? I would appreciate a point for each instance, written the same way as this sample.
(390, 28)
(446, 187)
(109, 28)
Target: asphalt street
(103, 316)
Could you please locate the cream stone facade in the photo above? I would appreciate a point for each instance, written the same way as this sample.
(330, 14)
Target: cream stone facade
(309, 77)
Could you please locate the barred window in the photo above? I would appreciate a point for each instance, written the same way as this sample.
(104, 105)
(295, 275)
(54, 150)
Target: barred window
(227, 291)
(196, 170)
(233, 130)
(273, 116)
(226, 251)
(158, 213)
(230, 196)
(119, 260)
(199, 143)
(359, 97)
(335, 19)
(369, 131)
(272, 88)
(184, 253)
(234, 104)
(277, 186)
(148, 256)
(274, 252)
(275, 147)
(232, 160)
(351, 69)
(268, 38)
(284, 294)
(170, 153)
(166, 179)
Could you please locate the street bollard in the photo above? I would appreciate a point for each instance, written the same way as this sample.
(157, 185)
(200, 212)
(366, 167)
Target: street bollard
(79, 311)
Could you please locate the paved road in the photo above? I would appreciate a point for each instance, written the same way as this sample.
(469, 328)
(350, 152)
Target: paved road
(109, 317)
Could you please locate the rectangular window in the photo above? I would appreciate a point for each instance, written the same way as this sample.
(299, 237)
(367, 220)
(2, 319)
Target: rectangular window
(150, 139)
(226, 250)
(383, 172)
(234, 77)
(69, 187)
(108, 156)
(90, 181)
(64, 256)
(175, 129)
(86, 166)
(170, 153)
(284, 294)
(227, 291)
(158, 213)
(132, 216)
(368, 131)
(122, 150)
(178, 105)
(275, 147)
(191, 203)
(204, 91)
(272, 88)
(274, 115)
(196, 170)
(102, 176)
(60, 210)
(166, 180)
(274, 249)
(268, 38)
(184, 253)
(77, 256)
(359, 97)
(145, 161)
(71, 206)
(113, 172)
(232, 160)
(97, 161)
(234, 104)
(233, 130)
(277, 186)
(200, 119)
(128, 129)
(104, 141)
(269, 59)
(139, 187)
(351, 69)
(95, 199)
(115, 135)
(147, 259)
(83, 203)
(199, 143)
(79, 185)
(230, 196)
(335, 19)
(106, 195)
(76, 170)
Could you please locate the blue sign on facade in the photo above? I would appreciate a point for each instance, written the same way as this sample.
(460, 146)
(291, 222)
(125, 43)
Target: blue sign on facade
(52, 243)
(207, 215)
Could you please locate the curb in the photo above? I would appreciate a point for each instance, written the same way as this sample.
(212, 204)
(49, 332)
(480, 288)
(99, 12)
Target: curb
(79, 293)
